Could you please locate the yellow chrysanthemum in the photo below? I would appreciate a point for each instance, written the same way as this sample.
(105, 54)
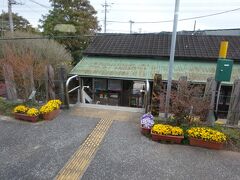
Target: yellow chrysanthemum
(206, 134)
(163, 129)
(50, 106)
(20, 109)
(32, 112)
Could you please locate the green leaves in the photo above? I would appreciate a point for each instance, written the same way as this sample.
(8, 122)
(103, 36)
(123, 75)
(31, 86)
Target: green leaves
(74, 14)
(20, 23)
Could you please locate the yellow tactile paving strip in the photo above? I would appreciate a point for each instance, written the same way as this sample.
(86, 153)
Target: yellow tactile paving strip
(80, 160)
(99, 113)
(78, 163)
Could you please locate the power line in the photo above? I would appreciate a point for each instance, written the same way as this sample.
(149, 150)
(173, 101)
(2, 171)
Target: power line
(59, 37)
(209, 15)
(30, 8)
(42, 5)
(184, 19)
(45, 37)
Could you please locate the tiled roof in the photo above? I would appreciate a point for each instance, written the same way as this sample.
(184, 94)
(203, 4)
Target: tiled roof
(158, 45)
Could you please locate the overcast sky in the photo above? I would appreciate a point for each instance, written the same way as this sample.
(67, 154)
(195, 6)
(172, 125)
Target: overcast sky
(146, 11)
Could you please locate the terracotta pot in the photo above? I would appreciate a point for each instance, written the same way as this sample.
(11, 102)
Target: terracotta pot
(158, 137)
(145, 131)
(25, 117)
(51, 115)
(206, 144)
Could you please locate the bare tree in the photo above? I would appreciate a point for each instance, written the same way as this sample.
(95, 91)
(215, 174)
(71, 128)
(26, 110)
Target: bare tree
(188, 100)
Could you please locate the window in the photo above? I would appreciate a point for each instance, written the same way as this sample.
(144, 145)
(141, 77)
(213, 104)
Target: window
(114, 85)
(101, 84)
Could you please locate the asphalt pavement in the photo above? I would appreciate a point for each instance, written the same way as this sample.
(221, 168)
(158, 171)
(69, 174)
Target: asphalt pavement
(126, 154)
(40, 150)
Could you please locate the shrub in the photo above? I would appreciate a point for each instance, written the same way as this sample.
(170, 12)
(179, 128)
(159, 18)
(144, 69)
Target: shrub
(28, 58)
(193, 120)
(186, 100)
(6, 107)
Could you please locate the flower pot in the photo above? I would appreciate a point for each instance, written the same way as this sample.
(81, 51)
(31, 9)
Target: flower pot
(25, 117)
(51, 115)
(175, 139)
(206, 144)
(145, 131)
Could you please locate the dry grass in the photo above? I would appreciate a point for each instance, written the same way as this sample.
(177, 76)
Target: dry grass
(29, 56)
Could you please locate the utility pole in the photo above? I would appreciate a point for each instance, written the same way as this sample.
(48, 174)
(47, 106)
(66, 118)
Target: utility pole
(171, 62)
(105, 5)
(10, 3)
(131, 22)
(194, 27)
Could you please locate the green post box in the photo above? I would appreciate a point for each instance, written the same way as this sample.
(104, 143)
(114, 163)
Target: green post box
(224, 70)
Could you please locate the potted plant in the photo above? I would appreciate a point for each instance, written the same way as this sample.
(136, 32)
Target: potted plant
(51, 109)
(146, 123)
(167, 133)
(206, 137)
(25, 113)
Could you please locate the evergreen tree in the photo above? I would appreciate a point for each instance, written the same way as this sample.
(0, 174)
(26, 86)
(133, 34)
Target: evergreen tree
(19, 23)
(71, 17)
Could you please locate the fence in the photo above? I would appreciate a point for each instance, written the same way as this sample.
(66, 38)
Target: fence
(221, 110)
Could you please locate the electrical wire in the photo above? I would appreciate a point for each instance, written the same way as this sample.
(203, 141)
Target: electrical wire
(42, 5)
(57, 37)
(45, 37)
(32, 11)
(184, 19)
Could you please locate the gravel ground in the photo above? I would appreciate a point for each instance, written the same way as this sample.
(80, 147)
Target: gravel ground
(40, 150)
(126, 154)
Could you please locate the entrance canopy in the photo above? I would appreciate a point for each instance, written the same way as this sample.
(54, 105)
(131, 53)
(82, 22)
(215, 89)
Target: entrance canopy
(143, 68)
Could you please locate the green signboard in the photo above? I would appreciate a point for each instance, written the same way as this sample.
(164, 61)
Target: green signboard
(224, 70)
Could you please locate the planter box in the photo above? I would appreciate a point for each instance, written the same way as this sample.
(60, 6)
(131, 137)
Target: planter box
(145, 131)
(51, 115)
(206, 144)
(158, 137)
(25, 117)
